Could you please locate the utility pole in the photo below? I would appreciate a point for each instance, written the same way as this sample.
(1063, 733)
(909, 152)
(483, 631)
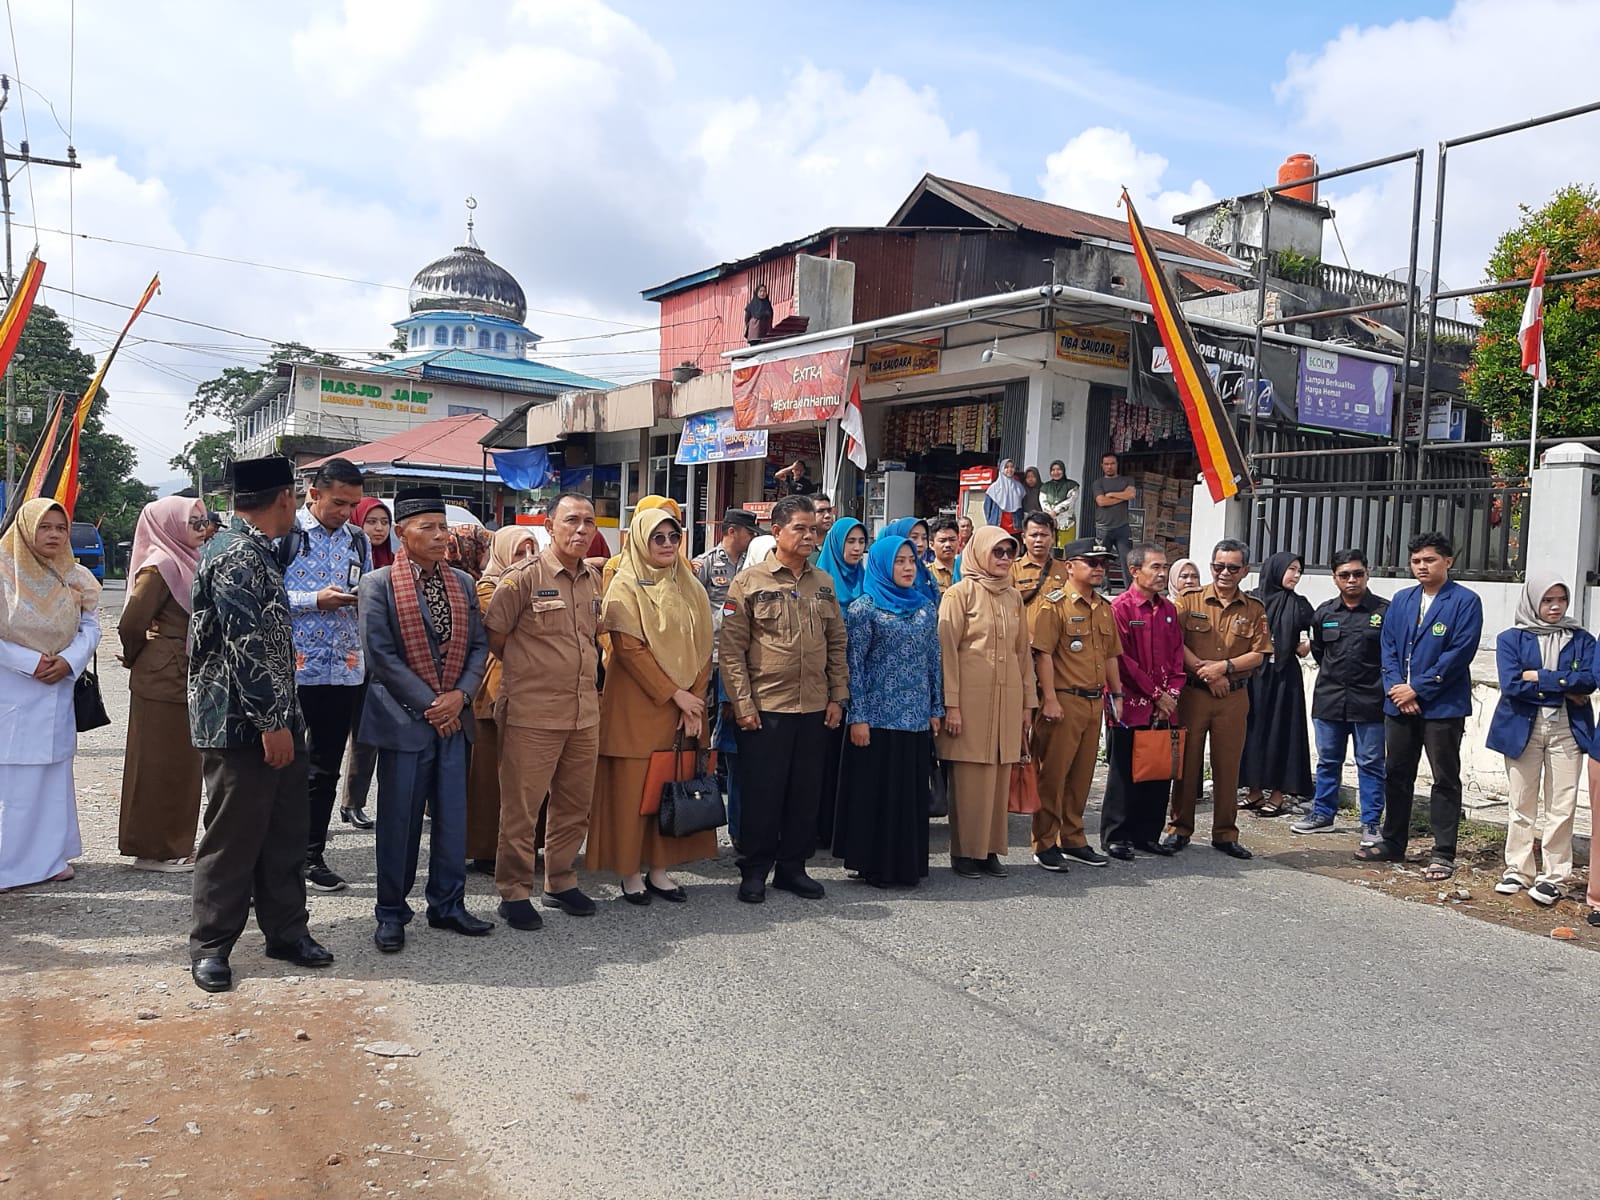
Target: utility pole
(25, 157)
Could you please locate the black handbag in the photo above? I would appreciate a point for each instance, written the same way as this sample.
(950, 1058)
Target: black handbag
(88, 707)
(690, 806)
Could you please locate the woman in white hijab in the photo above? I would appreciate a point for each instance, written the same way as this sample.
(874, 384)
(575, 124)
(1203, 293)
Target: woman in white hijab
(1182, 576)
(758, 550)
(1002, 502)
(1543, 725)
(48, 634)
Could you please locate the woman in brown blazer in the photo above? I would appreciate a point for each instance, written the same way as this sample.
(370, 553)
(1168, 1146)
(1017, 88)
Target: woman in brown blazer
(509, 546)
(989, 697)
(659, 622)
(160, 767)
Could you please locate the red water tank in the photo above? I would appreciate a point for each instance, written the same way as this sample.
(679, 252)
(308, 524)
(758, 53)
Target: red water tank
(1299, 166)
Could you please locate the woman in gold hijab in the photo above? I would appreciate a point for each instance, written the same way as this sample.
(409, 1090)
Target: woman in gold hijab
(48, 634)
(989, 697)
(609, 571)
(659, 621)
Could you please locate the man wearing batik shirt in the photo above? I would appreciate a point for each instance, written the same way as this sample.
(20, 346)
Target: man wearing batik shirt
(245, 720)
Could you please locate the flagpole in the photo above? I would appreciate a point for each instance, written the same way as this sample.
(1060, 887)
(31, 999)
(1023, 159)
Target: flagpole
(1533, 432)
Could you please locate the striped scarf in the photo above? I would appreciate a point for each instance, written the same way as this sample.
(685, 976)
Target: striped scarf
(407, 590)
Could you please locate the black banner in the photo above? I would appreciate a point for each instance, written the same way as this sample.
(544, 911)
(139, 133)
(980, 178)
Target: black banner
(1230, 359)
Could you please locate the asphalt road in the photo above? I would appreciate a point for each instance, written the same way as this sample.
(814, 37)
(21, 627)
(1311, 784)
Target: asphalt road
(1193, 1027)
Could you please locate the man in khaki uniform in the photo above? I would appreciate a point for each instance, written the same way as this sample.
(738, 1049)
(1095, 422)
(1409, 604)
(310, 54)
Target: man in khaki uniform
(1075, 650)
(1037, 572)
(1225, 640)
(542, 622)
(785, 671)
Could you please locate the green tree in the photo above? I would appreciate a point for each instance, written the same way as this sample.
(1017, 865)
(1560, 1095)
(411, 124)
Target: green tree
(206, 458)
(1568, 227)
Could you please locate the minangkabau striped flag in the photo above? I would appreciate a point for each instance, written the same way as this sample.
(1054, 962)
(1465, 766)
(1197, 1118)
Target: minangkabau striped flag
(1211, 425)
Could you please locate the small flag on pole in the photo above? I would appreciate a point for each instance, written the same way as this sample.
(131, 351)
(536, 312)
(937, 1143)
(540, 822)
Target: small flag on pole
(855, 434)
(1531, 333)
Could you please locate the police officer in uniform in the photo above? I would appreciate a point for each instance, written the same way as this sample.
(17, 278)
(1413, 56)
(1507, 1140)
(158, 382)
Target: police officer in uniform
(1075, 650)
(716, 568)
(1037, 572)
(1225, 640)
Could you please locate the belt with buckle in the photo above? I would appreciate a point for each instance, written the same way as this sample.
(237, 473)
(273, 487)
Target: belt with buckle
(1233, 684)
(1086, 693)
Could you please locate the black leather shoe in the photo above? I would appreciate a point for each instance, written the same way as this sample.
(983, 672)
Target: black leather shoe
(572, 902)
(480, 866)
(520, 914)
(753, 889)
(1174, 842)
(1121, 851)
(799, 883)
(641, 898)
(307, 952)
(211, 974)
(357, 817)
(967, 868)
(672, 895)
(389, 936)
(464, 923)
(1159, 849)
(1232, 849)
(994, 867)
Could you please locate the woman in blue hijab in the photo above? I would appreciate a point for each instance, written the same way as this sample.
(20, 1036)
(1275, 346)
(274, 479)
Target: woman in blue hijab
(915, 531)
(841, 556)
(896, 705)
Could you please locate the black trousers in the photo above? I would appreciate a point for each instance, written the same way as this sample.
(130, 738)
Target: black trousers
(1406, 739)
(780, 770)
(330, 711)
(1130, 812)
(253, 845)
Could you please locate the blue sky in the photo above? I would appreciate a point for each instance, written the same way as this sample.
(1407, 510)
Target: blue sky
(612, 146)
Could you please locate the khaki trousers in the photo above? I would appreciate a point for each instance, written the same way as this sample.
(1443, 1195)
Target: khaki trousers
(1549, 765)
(1223, 720)
(1065, 751)
(978, 796)
(533, 762)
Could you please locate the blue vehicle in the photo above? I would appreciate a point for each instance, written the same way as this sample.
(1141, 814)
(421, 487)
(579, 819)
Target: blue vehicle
(88, 549)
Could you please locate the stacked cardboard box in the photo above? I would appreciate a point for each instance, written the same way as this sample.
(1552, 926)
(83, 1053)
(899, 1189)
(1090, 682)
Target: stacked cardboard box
(1168, 508)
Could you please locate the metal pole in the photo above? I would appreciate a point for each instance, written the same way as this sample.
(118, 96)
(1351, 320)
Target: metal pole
(1403, 408)
(1533, 431)
(11, 283)
(1261, 316)
(1433, 299)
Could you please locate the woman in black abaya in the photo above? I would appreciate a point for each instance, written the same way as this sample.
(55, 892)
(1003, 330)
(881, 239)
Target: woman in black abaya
(1277, 748)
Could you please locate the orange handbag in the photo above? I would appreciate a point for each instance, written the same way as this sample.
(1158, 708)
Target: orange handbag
(1024, 797)
(1157, 754)
(662, 772)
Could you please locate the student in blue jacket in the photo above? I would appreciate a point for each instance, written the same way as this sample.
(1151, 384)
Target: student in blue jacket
(1430, 634)
(1544, 726)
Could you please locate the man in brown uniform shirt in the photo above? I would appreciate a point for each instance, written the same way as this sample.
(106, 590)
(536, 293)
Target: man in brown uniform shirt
(542, 621)
(1225, 640)
(1037, 572)
(783, 665)
(1075, 649)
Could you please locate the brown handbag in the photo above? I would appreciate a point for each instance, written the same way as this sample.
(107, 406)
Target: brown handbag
(1024, 795)
(1157, 754)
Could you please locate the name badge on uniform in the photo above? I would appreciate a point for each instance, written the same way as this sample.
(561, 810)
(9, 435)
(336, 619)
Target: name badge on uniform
(1139, 624)
(1077, 618)
(543, 592)
(647, 583)
(1075, 645)
(719, 581)
(354, 576)
(1056, 597)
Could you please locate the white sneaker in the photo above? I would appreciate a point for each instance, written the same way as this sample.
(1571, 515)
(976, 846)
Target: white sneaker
(1544, 892)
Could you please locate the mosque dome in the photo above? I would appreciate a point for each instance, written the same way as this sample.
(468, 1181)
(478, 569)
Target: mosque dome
(468, 280)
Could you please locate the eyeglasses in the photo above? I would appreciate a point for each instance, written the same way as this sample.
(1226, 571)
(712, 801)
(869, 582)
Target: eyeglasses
(1005, 550)
(1228, 568)
(199, 523)
(1349, 574)
(666, 539)
(1093, 562)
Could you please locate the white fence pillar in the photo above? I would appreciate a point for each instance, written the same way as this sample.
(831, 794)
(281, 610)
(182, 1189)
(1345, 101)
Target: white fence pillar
(1212, 522)
(1563, 533)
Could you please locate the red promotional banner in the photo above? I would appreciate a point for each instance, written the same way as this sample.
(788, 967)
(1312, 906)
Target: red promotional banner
(791, 386)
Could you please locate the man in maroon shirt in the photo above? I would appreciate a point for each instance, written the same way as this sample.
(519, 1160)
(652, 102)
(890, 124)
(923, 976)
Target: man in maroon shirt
(1152, 678)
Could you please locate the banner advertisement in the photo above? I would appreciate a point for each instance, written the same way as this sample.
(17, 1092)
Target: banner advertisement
(1092, 345)
(712, 438)
(1230, 363)
(1340, 391)
(1446, 422)
(897, 360)
(792, 386)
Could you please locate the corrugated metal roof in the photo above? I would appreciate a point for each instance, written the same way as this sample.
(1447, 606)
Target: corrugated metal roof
(468, 366)
(1209, 283)
(450, 443)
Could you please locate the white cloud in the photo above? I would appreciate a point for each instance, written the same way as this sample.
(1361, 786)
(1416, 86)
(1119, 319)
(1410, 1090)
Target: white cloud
(1090, 171)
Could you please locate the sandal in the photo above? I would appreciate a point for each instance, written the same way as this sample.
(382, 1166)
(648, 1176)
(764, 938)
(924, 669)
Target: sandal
(1252, 803)
(1378, 854)
(1594, 917)
(1268, 811)
(1438, 871)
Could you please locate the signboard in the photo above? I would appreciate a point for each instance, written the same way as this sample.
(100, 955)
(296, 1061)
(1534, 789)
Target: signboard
(792, 385)
(1340, 391)
(1230, 361)
(712, 438)
(897, 360)
(1446, 423)
(369, 392)
(760, 509)
(1092, 345)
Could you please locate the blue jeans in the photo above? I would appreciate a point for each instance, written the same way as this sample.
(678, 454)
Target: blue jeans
(1370, 766)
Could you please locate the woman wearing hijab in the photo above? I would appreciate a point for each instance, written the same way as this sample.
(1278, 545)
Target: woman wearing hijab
(1002, 503)
(896, 703)
(1543, 724)
(1058, 496)
(377, 522)
(48, 634)
(989, 698)
(160, 766)
(469, 549)
(841, 556)
(609, 571)
(507, 548)
(1184, 577)
(1277, 748)
(758, 550)
(758, 315)
(1032, 483)
(915, 531)
(659, 620)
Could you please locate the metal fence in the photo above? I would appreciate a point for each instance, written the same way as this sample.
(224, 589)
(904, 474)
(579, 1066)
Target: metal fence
(1486, 520)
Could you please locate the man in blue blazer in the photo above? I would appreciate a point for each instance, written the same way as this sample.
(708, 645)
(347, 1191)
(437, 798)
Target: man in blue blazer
(426, 652)
(1430, 634)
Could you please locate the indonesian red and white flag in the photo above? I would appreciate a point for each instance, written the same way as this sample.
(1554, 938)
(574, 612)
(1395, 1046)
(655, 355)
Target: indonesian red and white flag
(1531, 333)
(855, 440)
